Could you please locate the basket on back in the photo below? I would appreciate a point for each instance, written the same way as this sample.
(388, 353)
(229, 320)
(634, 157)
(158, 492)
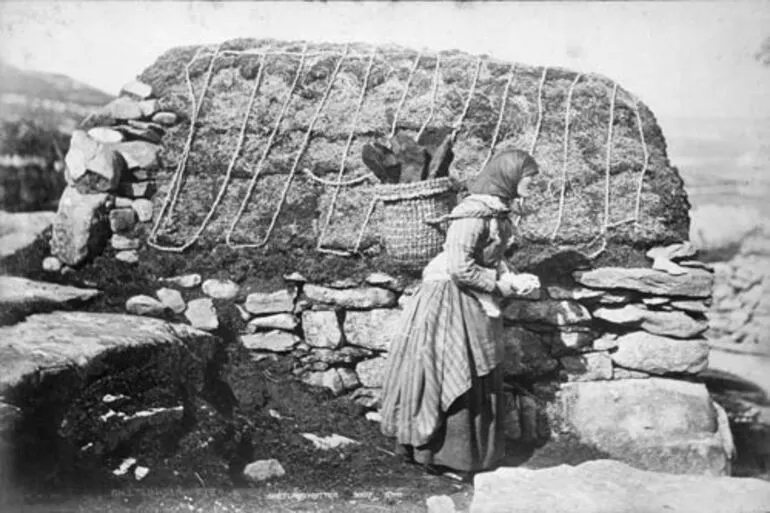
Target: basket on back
(410, 240)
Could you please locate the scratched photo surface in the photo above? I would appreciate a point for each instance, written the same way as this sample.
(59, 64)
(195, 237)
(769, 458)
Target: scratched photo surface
(227, 233)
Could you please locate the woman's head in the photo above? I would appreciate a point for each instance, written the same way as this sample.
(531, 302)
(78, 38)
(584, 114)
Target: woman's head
(506, 176)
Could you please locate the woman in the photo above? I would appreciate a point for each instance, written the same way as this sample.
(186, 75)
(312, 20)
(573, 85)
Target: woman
(442, 393)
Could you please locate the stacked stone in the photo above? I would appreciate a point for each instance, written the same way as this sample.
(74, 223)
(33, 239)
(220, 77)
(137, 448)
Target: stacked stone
(617, 351)
(109, 174)
(741, 310)
(338, 333)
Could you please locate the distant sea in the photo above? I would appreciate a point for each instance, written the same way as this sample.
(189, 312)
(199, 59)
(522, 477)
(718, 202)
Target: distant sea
(722, 160)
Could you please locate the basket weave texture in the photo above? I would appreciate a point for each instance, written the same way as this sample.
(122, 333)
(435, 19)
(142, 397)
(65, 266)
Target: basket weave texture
(408, 239)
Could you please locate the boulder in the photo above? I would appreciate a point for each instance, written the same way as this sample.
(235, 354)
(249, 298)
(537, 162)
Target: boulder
(51, 264)
(262, 470)
(629, 314)
(653, 424)
(440, 504)
(668, 323)
(122, 243)
(87, 384)
(526, 353)
(594, 366)
(371, 372)
(673, 324)
(80, 226)
(201, 314)
(140, 154)
(21, 229)
(129, 256)
(667, 266)
(673, 252)
(261, 303)
(148, 107)
(186, 281)
(122, 108)
(145, 305)
(137, 89)
(137, 131)
(122, 220)
(171, 299)
(373, 329)
(697, 283)
(280, 321)
(365, 298)
(220, 289)
(24, 296)
(165, 118)
(273, 341)
(122, 202)
(657, 354)
(105, 135)
(322, 329)
(92, 166)
(549, 311)
(606, 486)
(143, 209)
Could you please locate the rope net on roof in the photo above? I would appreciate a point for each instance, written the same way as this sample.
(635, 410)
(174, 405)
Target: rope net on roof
(341, 181)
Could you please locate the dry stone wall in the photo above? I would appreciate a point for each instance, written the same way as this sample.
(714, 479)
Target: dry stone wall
(610, 359)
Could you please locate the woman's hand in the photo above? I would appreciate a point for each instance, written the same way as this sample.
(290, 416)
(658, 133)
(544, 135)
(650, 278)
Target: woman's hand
(520, 284)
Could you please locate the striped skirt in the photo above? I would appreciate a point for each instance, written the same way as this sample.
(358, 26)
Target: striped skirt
(442, 393)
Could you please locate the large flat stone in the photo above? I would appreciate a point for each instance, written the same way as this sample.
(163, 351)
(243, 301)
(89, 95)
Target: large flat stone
(667, 323)
(364, 298)
(373, 329)
(263, 303)
(61, 342)
(660, 355)
(654, 424)
(695, 283)
(22, 296)
(606, 486)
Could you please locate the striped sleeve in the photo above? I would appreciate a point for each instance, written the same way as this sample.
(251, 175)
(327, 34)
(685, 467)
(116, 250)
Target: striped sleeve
(462, 239)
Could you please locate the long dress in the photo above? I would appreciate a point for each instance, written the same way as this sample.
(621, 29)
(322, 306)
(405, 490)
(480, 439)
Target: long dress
(442, 392)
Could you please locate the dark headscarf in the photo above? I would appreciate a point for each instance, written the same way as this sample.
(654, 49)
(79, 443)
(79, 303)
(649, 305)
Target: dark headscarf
(502, 174)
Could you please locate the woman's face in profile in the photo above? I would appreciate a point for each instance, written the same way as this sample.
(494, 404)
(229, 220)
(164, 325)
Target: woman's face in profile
(523, 188)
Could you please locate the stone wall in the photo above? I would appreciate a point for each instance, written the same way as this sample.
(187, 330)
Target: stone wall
(610, 360)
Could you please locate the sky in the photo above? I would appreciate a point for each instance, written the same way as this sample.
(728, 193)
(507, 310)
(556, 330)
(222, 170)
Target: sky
(684, 59)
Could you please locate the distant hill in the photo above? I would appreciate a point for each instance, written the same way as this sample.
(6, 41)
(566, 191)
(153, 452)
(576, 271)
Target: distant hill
(38, 112)
(52, 101)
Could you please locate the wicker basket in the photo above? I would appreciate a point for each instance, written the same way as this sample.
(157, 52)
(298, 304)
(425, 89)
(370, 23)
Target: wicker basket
(409, 240)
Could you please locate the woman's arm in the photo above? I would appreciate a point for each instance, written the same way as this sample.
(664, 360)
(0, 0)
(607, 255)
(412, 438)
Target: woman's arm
(462, 240)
